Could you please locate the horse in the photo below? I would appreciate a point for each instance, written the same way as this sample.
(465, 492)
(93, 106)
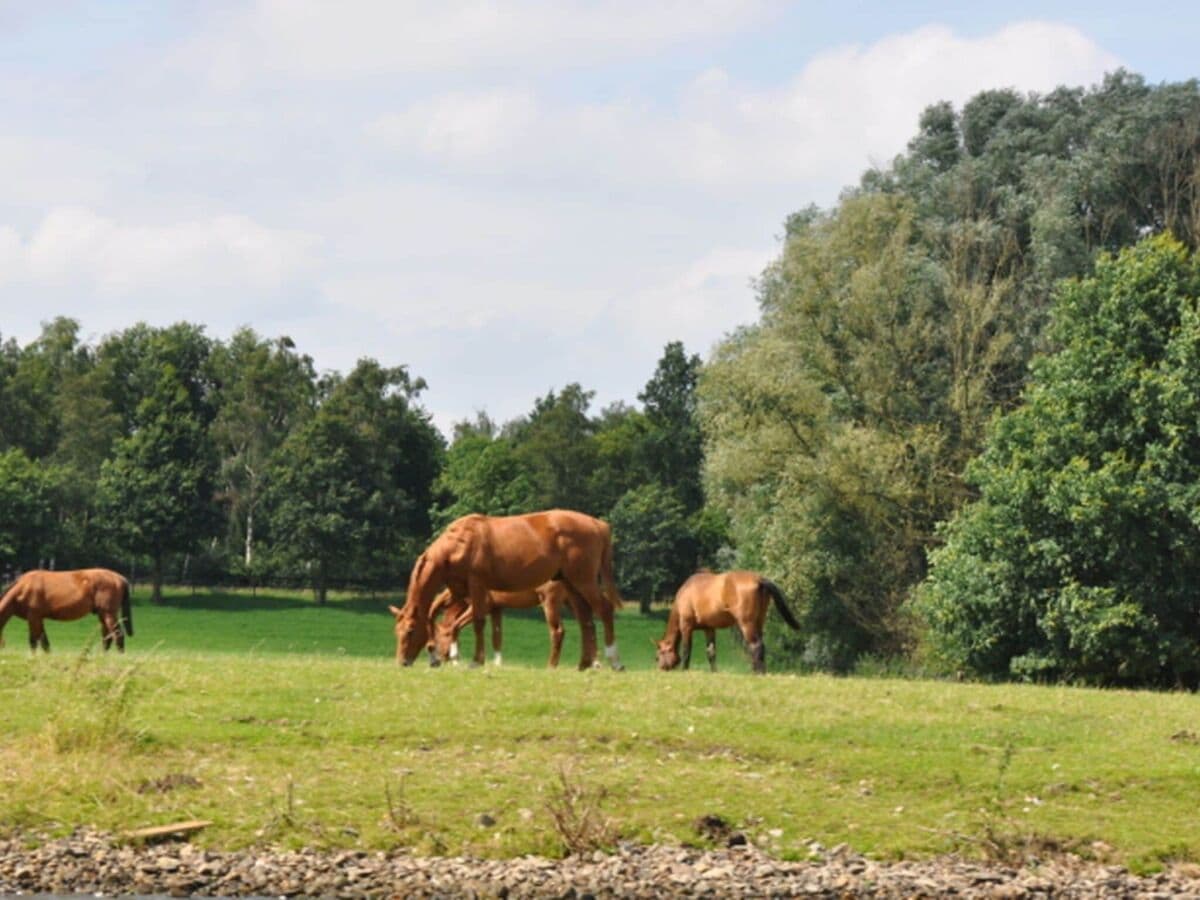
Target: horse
(72, 594)
(478, 553)
(709, 601)
(551, 596)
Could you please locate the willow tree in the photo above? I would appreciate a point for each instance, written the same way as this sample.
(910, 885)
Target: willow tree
(836, 428)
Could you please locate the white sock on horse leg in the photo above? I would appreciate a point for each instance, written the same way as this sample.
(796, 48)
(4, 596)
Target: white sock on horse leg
(496, 658)
(611, 652)
(454, 652)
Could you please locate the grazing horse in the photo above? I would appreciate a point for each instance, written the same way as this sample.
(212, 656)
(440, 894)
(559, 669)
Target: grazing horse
(551, 597)
(709, 601)
(479, 553)
(39, 594)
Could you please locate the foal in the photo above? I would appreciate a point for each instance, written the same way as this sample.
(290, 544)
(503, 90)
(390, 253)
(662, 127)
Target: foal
(709, 601)
(551, 596)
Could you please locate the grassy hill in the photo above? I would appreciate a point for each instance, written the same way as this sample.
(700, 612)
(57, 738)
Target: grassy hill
(289, 724)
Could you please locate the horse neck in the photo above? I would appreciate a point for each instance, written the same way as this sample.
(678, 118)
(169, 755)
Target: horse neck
(673, 632)
(10, 605)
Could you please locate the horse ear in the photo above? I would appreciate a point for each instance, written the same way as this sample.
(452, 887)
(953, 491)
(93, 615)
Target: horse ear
(394, 611)
(653, 641)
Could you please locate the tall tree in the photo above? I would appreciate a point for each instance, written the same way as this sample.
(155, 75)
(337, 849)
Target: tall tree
(157, 490)
(674, 450)
(1080, 558)
(317, 498)
(265, 390)
(554, 442)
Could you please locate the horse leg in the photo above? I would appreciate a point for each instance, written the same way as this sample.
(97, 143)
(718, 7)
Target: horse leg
(554, 623)
(685, 638)
(110, 630)
(585, 585)
(710, 647)
(587, 628)
(758, 650)
(497, 636)
(37, 634)
(479, 611)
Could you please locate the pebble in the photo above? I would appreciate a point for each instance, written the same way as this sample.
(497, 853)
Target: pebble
(89, 862)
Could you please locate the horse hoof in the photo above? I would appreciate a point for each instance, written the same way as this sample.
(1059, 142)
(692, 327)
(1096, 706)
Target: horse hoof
(619, 667)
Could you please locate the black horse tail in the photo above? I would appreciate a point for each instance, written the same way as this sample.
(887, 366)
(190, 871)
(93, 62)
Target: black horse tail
(126, 608)
(772, 589)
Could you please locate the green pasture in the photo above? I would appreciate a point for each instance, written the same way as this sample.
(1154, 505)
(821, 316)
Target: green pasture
(274, 622)
(290, 725)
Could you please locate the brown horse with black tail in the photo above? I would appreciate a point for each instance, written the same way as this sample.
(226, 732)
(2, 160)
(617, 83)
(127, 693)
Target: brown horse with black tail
(40, 594)
(708, 601)
(477, 554)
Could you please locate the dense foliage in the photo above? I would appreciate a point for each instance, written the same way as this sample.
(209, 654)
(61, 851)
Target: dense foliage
(1080, 558)
(894, 325)
(161, 451)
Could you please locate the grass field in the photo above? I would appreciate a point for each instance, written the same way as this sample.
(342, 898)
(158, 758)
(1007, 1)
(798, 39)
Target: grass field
(300, 730)
(278, 622)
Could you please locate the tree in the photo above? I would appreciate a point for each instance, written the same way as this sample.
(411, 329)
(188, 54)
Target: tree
(1079, 560)
(317, 501)
(156, 492)
(264, 391)
(555, 444)
(26, 511)
(674, 444)
(827, 426)
(651, 540)
(483, 474)
(401, 456)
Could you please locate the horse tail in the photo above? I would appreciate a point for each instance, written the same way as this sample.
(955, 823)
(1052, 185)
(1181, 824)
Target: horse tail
(126, 608)
(772, 590)
(607, 582)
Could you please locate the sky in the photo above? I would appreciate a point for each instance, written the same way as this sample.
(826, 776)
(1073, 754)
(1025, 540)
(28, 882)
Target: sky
(505, 197)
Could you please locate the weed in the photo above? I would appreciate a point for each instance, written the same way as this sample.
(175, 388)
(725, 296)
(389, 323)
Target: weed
(400, 814)
(575, 811)
(96, 711)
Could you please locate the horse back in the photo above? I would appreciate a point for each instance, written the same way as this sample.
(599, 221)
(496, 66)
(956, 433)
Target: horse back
(521, 552)
(716, 600)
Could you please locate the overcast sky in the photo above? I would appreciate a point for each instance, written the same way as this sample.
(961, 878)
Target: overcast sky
(506, 197)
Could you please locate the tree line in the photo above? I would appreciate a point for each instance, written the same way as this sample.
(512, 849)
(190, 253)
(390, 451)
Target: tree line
(894, 346)
(959, 433)
(175, 456)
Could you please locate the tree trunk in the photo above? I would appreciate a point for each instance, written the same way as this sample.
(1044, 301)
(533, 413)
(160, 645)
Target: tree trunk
(157, 580)
(249, 538)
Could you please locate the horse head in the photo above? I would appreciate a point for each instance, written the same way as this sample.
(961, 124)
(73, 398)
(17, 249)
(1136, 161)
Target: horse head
(411, 635)
(443, 632)
(412, 622)
(667, 654)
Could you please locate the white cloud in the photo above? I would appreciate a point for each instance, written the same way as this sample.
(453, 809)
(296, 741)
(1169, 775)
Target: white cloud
(845, 110)
(353, 38)
(698, 303)
(459, 126)
(76, 247)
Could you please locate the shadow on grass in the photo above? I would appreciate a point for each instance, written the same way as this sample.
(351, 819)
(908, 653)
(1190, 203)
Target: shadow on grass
(265, 601)
(290, 601)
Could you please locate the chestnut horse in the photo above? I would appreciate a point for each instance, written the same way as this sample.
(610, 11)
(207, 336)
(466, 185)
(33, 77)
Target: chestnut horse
(709, 601)
(551, 597)
(479, 553)
(39, 594)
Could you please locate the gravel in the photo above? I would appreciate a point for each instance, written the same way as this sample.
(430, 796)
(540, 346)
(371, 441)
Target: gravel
(90, 862)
